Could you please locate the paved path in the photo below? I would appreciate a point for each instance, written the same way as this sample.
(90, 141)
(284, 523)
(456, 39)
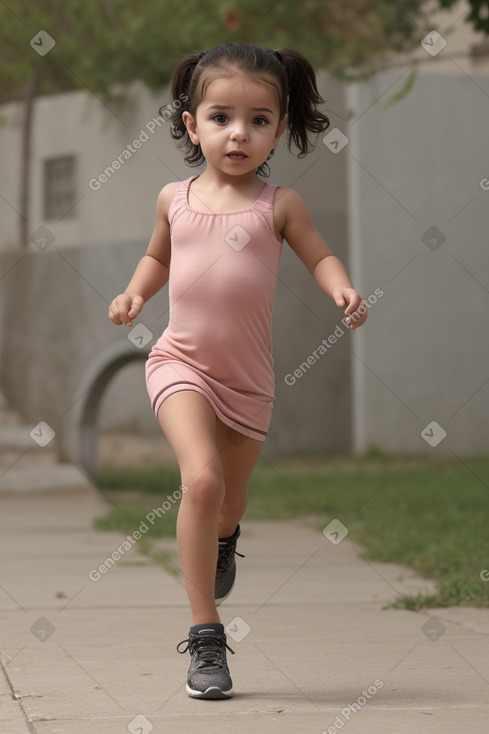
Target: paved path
(315, 650)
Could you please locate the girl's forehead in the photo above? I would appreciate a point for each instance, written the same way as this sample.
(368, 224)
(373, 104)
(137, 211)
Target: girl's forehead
(241, 87)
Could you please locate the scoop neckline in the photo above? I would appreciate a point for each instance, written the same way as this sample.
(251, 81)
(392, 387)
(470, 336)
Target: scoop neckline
(214, 214)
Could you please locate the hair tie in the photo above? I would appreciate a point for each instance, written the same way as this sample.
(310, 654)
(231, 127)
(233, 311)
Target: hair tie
(202, 53)
(278, 55)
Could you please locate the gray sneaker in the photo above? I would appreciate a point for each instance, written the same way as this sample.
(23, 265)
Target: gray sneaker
(226, 566)
(208, 674)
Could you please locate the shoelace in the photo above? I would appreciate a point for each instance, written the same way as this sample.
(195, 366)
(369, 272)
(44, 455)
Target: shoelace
(226, 550)
(207, 648)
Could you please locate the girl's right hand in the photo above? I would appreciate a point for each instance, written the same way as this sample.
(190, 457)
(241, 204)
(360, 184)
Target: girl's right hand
(125, 308)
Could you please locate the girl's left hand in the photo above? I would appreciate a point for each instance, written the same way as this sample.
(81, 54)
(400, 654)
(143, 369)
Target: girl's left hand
(356, 310)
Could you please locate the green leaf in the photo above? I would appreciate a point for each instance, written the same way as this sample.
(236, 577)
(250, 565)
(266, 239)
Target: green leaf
(405, 89)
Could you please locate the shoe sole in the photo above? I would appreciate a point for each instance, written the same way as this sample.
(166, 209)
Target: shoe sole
(219, 601)
(213, 692)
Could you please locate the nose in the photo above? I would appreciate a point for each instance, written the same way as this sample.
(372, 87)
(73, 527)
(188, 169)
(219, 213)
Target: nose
(239, 131)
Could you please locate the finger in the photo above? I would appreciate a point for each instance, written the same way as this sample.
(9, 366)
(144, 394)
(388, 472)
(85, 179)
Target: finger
(136, 307)
(359, 318)
(356, 306)
(116, 317)
(352, 319)
(352, 307)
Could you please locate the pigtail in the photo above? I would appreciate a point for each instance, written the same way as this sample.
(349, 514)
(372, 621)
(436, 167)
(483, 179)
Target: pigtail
(292, 74)
(181, 90)
(303, 117)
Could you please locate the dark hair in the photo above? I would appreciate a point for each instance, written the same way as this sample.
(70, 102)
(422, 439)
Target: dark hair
(295, 84)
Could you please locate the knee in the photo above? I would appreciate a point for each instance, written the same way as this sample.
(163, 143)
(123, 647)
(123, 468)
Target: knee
(205, 488)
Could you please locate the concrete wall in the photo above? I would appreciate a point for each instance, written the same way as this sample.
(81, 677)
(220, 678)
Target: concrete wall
(418, 224)
(55, 329)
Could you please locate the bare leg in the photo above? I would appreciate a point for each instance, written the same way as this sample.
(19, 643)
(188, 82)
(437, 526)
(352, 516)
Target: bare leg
(189, 424)
(239, 455)
(215, 464)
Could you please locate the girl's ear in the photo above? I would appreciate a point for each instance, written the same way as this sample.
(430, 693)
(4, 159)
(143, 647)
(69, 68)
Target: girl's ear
(191, 126)
(280, 129)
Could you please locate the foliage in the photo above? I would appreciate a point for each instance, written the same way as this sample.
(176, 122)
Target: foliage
(100, 44)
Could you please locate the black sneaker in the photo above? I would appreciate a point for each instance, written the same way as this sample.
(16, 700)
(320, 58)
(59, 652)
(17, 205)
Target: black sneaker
(208, 674)
(226, 566)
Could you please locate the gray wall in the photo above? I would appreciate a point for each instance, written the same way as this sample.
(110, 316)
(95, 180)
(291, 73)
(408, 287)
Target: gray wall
(55, 330)
(423, 355)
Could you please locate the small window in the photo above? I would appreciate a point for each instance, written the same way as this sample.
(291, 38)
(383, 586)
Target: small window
(59, 187)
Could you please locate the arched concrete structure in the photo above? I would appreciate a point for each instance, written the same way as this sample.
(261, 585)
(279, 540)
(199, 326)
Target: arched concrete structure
(80, 434)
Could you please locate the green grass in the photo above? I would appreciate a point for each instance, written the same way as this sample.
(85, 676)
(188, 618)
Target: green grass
(429, 514)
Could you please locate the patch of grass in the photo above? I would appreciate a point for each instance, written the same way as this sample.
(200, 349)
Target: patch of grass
(127, 516)
(429, 514)
(160, 480)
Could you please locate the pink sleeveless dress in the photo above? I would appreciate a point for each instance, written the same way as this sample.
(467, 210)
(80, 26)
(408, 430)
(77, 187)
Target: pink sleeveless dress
(223, 276)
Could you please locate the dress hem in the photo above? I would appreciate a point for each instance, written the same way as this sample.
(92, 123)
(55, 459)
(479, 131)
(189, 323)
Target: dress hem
(181, 386)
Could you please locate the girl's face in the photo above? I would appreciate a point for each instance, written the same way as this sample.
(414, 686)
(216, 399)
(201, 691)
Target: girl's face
(237, 114)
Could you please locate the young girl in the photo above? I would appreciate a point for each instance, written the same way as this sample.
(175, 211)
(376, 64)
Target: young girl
(217, 240)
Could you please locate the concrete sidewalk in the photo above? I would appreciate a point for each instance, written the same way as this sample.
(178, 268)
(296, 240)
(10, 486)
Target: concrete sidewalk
(315, 650)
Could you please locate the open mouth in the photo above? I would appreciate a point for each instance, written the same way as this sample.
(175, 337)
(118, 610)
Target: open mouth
(237, 156)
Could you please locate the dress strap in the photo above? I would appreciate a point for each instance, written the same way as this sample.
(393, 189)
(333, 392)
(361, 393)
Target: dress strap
(266, 195)
(179, 201)
(263, 207)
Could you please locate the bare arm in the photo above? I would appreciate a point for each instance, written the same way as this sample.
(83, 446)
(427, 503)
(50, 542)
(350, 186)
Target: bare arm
(327, 270)
(152, 271)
